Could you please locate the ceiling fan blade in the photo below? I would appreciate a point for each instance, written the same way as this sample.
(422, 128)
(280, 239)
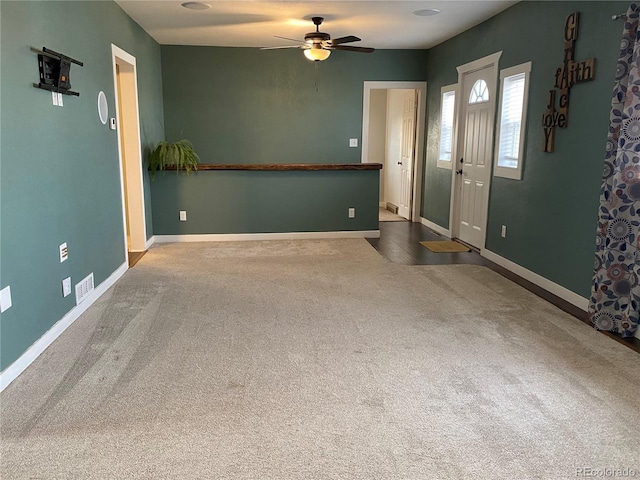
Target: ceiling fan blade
(348, 39)
(284, 46)
(291, 40)
(351, 49)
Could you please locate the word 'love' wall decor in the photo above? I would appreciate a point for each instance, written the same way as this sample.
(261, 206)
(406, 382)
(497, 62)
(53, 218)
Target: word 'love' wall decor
(567, 75)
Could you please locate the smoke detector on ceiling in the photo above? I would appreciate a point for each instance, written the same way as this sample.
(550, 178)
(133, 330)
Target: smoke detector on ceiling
(427, 12)
(195, 5)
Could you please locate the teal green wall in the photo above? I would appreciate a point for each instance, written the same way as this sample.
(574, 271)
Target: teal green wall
(266, 202)
(551, 213)
(244, 105)
(60, 179)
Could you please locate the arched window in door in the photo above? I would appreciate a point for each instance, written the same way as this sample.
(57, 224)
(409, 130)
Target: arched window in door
(479, 92)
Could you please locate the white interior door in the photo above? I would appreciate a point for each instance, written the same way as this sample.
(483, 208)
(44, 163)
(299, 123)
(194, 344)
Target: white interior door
(400, 149)
(393, 147)
(474, 166)
(408, 142)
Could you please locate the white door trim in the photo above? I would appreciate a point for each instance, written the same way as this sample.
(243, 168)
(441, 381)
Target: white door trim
(479, 64)
(490, 61)
(119, 55)
(421, 87)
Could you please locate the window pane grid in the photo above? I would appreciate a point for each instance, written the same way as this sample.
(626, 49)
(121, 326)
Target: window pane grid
(511, 120)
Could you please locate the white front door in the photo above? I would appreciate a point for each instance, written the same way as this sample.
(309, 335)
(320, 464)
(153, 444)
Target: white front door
(408, 143)
(474, 165)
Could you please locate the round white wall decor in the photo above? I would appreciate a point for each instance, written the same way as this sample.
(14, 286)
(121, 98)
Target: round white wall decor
(103, 108)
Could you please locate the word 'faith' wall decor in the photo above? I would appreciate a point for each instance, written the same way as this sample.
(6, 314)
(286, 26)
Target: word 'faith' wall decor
(567, 75)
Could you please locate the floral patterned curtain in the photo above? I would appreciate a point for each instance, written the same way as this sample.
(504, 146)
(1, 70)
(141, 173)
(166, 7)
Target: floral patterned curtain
(615, 295)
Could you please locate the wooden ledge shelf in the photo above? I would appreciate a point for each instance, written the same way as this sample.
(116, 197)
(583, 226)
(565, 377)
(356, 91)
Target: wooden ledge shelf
(290, 166)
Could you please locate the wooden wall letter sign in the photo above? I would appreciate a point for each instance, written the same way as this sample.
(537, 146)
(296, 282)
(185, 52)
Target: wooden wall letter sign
(567, 75)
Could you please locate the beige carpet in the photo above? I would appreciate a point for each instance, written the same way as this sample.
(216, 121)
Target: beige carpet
(320, 360)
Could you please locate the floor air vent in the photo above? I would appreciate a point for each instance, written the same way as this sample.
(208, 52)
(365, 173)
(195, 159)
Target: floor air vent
(84, 288)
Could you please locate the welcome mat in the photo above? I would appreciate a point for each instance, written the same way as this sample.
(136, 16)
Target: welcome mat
(447, 246)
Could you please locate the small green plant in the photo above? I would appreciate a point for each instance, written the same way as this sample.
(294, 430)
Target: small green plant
(173, 156)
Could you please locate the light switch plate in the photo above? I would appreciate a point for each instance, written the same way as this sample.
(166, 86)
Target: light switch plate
(183, 215)
(5, 298)
(353, 142)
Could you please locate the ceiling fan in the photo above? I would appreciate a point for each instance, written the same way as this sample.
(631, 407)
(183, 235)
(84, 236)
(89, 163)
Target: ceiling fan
(317, 45)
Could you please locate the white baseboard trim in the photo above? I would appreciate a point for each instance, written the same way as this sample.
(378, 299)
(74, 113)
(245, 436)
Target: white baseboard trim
(10, 373)
(150, 242)
(552, 287)
(382, 204)
(237, 237)
(435, 227)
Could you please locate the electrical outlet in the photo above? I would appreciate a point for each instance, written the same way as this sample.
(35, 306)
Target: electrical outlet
(503, 233)
(183, 215)
(66, 287)
(64, 252)
(352, 213)
(353, 142)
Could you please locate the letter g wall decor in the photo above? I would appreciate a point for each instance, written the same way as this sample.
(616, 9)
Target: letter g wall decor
(567, 75)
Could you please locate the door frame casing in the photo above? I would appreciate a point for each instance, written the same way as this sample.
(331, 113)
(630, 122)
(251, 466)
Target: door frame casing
(492, 62)
(421, 113)
(138, 244)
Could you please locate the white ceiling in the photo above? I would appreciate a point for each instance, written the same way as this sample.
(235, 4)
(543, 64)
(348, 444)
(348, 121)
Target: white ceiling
(253, 23)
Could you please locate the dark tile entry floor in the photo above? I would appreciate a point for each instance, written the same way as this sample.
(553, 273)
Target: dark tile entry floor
(399, 242)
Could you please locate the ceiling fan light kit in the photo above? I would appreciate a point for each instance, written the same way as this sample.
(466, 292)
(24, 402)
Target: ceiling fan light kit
(318, 45)
(317, 54)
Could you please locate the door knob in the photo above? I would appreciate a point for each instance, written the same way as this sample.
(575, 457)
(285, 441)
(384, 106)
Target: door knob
(459, 172)
(399, 163)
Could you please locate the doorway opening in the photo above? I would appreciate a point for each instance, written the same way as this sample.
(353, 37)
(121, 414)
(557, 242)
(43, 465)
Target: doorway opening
(393, 135)
(129, 152)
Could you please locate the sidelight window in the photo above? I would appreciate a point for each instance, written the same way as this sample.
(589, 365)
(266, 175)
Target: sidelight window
(447, 126)
(511, 124)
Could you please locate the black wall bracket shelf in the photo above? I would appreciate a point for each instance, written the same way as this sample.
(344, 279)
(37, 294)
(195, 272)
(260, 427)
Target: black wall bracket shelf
(54, 71)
